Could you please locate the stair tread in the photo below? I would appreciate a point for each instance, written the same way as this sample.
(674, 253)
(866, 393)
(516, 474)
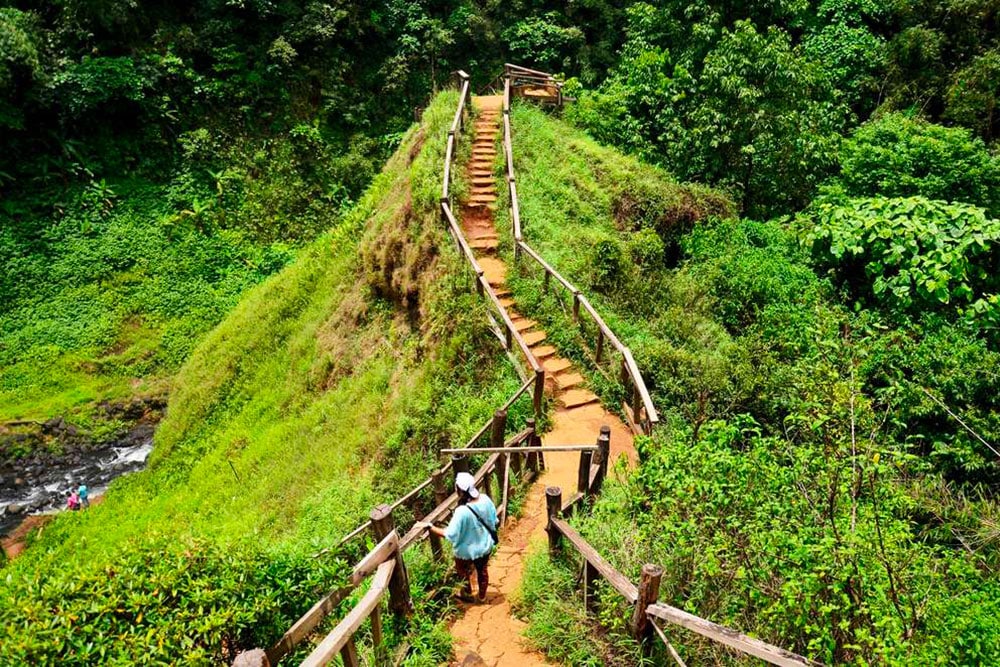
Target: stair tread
(569, 380)
(543, 351)
(523, 323)
(556, 365)
(484, 244)
(533, 337)
(574, 398)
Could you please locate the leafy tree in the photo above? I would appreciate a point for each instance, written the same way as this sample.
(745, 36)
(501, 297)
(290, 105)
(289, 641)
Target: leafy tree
(895, 155)
(974, 95)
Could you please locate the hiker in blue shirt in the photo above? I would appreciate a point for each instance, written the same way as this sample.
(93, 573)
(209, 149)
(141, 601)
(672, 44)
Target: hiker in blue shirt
(472, 533)
(84, 494)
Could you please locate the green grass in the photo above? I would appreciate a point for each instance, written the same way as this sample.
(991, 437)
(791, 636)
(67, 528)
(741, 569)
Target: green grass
(328, 389)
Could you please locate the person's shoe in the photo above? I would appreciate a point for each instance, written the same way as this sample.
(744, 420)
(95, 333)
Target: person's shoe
(464, 597)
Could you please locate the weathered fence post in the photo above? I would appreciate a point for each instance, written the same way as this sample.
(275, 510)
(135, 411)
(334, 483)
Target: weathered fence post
(600, 345)
(649, 591)
(459, 463)
(349, 654)
(532, 463)
(536, 441)
(576, 307)
(603, 456)
(440, 495)
(590, 577)
(553, 505)
(583, 473)
(399, 584)
(536, 402)
(497, 430)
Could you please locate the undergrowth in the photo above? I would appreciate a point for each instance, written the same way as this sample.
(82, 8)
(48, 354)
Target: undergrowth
(328, 389)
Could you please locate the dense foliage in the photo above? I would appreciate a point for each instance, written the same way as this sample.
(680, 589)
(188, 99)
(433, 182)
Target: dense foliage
(754, 96)
(818, 479)
(325, 391)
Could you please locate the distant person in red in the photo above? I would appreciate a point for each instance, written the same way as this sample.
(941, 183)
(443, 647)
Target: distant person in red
(73, 502)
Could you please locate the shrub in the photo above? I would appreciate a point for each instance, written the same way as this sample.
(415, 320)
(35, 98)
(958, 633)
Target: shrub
(906, 254)
(898, 156)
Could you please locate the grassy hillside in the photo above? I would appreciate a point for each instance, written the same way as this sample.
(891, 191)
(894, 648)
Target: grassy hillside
(327, 390)
(806, 485)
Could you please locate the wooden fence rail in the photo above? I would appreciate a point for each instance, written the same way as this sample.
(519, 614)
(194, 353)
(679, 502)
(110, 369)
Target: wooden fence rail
(643, 597)
(638, 406)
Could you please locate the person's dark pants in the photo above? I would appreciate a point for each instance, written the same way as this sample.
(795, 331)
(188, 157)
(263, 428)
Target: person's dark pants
(464, 569)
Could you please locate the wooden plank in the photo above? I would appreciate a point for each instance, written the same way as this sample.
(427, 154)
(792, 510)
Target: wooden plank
(446, 181)
(521, 450)
(340, 635)
(506, 94)
(608, 333)
(457, 122)
(729, 637)
(515, 335)
(518, 68)
(515, 212)
(670, 647)
(306, 624)
(616, 579)
(382, 552)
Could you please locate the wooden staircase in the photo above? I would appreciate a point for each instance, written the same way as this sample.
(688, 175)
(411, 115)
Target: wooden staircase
(562, 380)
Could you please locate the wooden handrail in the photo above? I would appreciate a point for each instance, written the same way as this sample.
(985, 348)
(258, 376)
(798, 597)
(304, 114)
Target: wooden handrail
(344, 632)
(460, 239)
(618, 581)
(520, 245)
(729, 637)
(511, 66)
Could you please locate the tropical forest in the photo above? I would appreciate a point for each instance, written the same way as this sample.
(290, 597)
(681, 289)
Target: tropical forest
(479, 333)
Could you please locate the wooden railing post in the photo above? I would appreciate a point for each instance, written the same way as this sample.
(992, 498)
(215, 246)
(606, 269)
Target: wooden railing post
(536, 402)
(553, 505)
(440, 495)
(349, 654)
(459, 463)
(576, 307)
(590, 577)
(649, 591)
(399, 584)
(602, 459)
(497, 430)
(545, 282)
(532, 463)
(536, 441)
(583, 473)
(599, 352)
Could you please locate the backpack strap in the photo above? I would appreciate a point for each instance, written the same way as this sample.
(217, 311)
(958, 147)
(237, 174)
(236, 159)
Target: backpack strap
(492, 532)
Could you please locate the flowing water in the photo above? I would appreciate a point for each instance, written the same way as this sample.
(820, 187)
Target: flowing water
(42, 486)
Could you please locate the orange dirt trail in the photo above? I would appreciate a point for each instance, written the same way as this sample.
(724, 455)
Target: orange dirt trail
(489, 631)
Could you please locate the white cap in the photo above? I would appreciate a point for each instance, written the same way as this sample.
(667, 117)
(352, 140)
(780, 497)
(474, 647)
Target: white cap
(467, 483)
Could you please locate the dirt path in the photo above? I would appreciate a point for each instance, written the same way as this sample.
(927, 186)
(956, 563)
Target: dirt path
(488, 631)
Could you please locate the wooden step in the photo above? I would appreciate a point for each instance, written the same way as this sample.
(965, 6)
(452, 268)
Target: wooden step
(542, 351)
(482, 199)
(484, 244)
(523, 323)
(575, 398)
(556, 365)
(502, 293)
(506, 302)
(569, 380)
(483, 181)
(533, 337)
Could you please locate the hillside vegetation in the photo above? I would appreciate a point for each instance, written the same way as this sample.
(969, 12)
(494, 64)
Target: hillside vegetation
(807, 484)
(327, 390)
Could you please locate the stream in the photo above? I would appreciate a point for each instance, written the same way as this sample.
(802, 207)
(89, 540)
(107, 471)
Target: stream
(42, 486)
